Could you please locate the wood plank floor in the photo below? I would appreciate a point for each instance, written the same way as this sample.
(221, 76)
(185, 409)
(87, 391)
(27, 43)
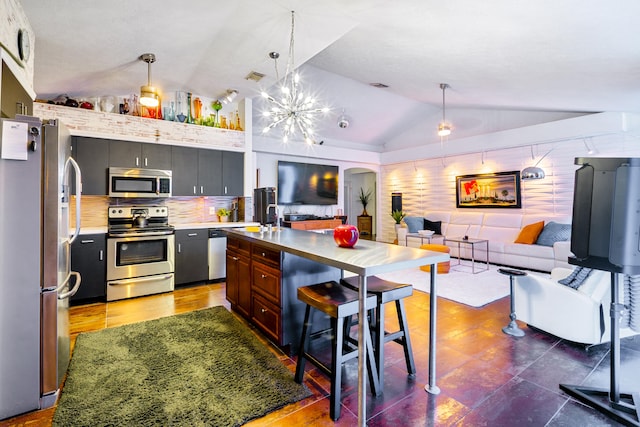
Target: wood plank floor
(486, 377)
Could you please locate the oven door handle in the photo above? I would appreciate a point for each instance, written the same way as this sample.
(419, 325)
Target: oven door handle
(145, 234)
(138, 280)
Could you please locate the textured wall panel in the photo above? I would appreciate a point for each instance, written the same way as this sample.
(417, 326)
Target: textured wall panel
(430, 184)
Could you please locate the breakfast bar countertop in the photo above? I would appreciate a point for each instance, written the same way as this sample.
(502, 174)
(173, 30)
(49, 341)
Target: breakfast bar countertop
(366, 258)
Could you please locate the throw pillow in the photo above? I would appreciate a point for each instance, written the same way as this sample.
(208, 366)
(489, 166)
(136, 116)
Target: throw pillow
(529, 233)
(414, 223)
(576, 278)
(435, 226)
(554, 232)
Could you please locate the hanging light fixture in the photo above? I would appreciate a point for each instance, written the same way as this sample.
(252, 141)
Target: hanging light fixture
(294, 110)
(534, 172)
(444, 128)
(148, 94)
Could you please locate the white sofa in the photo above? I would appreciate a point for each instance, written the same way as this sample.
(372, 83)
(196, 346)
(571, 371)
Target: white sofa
(501, 230)
(580, 315)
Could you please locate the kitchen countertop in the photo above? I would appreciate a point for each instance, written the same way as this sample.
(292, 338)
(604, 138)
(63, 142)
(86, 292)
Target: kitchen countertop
(103, 230)
(366, 258)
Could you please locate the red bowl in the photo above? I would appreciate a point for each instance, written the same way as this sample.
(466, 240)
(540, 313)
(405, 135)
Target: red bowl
(346, 235)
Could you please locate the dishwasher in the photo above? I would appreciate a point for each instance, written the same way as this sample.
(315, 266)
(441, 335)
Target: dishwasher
(217, 254)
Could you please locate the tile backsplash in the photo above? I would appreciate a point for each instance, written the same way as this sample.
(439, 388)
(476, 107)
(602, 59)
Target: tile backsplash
(182, 210)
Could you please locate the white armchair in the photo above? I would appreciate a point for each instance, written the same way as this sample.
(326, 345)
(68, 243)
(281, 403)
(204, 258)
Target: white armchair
(580, 315)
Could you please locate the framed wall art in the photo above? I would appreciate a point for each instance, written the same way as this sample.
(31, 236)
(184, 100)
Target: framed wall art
(489, 190)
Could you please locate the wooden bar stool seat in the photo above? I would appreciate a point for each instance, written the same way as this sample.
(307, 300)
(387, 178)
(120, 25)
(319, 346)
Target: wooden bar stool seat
(386, 291)
(339, 303)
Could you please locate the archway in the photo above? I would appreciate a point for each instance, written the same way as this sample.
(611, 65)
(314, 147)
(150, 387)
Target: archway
(354, 180)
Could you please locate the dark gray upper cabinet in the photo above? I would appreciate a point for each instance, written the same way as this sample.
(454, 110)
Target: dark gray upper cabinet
(209, 172)
(196, 171)
(232, 173)
(13, 98)
(92, 155)
(200, 172)
(184, 164)
(139, 155)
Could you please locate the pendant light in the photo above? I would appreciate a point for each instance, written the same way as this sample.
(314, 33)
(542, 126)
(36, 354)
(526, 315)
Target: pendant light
(293, 110)
(149, 94)
(444, 128)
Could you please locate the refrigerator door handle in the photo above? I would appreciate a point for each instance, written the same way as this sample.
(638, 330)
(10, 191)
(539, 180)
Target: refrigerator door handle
(75, 288)
(73, 163)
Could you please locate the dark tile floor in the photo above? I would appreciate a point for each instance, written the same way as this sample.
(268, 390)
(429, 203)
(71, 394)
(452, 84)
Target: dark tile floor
(486, 378)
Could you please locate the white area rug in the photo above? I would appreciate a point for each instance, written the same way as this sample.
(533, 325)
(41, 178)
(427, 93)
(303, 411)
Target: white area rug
(475, 290)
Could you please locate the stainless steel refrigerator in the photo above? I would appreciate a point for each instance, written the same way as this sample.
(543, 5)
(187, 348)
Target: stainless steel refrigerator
(35, 277)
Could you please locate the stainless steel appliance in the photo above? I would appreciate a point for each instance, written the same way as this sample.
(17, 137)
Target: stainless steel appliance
(35, 275)
(265, 209)
(128, 182)
(217, 254)
(140, 251)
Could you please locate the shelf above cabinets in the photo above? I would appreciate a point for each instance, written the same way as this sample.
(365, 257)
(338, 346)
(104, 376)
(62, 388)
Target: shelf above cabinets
(89, 123)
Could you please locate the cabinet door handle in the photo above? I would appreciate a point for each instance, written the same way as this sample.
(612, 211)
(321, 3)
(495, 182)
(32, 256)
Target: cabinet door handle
(137, 161)
(225, 189)
(192, 234)
(145, 161)
(263, 310)
(235, 258)
(264, 254)
(179, 247)
(87, 241)
(264, 276)
(194, 190)
(101, 256)
(202, 189)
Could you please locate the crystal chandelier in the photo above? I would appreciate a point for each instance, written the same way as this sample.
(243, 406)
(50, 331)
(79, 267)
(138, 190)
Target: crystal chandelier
(294, 110)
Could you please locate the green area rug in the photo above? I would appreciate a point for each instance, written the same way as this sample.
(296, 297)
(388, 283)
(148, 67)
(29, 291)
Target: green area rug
(194, 369)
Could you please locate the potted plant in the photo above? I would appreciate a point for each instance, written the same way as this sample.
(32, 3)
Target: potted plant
(364, 199)
(224, 213)
(398, 216)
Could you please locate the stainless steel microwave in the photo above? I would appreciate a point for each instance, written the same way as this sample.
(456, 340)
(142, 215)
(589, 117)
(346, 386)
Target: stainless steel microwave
(127, 182)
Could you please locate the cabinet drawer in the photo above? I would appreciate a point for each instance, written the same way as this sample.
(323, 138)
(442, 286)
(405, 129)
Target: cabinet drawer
(192, 234)
(239, 245)
(265, 255)
(267, 317)
(266, 280)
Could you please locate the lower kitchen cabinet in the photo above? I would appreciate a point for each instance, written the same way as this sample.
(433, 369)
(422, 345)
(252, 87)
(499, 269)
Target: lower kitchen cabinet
(238, 285)
(88, 257)
(262, 286)
(192, 256)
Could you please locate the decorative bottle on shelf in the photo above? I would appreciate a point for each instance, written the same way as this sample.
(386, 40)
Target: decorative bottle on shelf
(189, 116)
(238, 126)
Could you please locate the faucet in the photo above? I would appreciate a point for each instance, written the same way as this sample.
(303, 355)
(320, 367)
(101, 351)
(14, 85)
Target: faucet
(275, 207)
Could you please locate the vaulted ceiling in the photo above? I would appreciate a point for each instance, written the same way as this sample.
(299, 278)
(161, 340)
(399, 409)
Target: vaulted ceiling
(508, 63)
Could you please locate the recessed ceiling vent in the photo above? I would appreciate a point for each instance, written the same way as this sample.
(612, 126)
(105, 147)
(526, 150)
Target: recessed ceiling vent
(379, 85)
(255, 76)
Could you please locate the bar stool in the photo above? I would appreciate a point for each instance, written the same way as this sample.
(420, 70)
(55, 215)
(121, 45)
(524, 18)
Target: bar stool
(339, 303)
(385, 292)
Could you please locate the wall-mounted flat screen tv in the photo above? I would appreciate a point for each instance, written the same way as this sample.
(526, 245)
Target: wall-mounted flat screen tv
(307, 184)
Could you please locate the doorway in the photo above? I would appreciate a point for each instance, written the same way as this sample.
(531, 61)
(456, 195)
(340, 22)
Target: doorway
(354, 180)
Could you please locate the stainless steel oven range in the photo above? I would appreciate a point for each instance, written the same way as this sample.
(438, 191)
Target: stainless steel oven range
(140, 251)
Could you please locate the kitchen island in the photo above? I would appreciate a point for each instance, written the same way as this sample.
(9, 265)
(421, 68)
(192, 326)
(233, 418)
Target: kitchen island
(316, 258)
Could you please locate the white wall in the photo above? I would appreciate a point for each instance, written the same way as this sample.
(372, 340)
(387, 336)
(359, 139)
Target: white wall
(430, 184)
(267, 166)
